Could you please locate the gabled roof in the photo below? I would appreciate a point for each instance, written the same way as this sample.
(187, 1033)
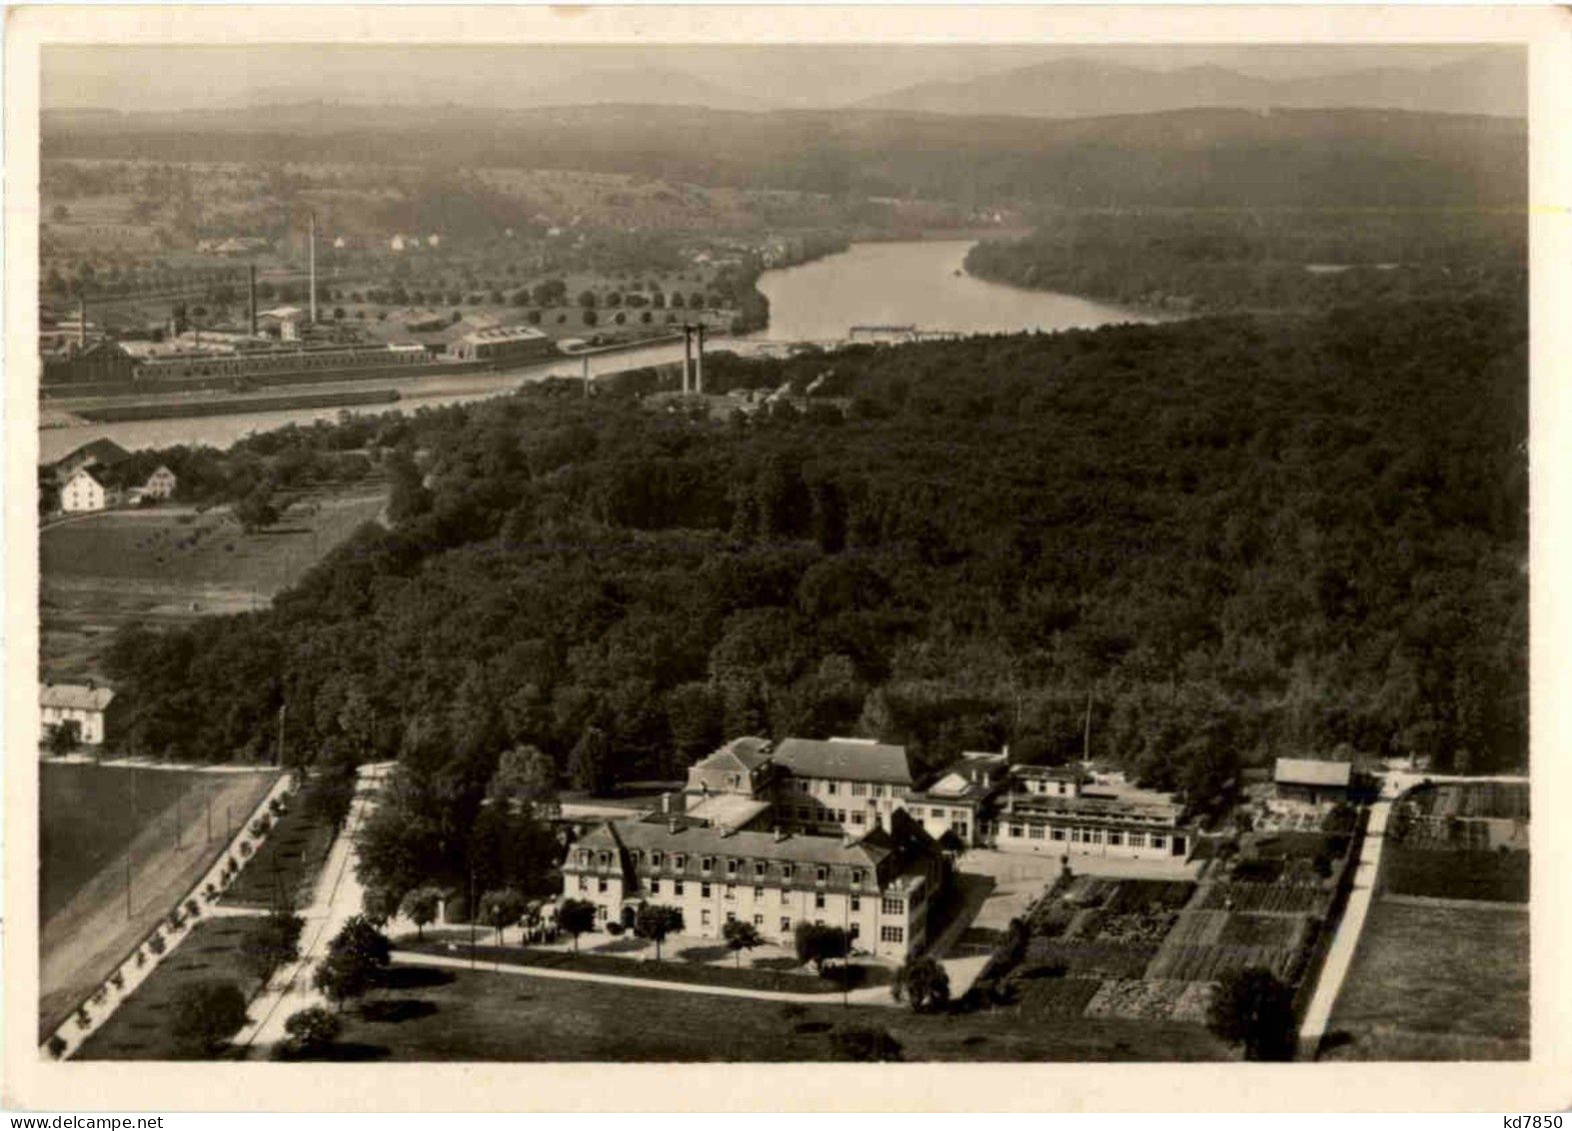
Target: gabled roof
(75, 696)
(845, 759)
(93, 472)
(1311, 771)
(747, 753)
(102, 451)
(699, 840)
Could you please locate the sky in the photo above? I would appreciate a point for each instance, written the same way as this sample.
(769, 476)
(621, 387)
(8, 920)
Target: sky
(164, 78)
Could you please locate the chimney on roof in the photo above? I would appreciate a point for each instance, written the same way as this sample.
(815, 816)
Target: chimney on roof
(673, 824)
(92, 685)
(846, 838)
(780, 834)
(665, 803)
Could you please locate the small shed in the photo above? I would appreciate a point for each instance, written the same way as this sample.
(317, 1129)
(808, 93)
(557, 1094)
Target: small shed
(1312, 781)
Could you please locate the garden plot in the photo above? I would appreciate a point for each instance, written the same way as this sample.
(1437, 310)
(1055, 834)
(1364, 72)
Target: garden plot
(1270, 899)
(1151, 999)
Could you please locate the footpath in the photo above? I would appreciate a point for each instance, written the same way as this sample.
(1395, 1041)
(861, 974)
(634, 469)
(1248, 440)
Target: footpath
(1340, 956)
(873, 995)
(338, 897)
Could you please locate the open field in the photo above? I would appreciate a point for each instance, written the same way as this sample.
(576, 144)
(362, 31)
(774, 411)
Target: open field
(139, 1029)
(168, 565)
(442, 1015)
(1435, 983)
(1441, 873)
(91, 813)
(93, 929)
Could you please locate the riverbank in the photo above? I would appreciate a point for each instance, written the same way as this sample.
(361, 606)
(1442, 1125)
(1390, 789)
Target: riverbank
(163, 410)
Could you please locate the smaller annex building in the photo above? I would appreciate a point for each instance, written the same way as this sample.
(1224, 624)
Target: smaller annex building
(502, 343)
(1310, 781)
(88, 705)
(1060, 810)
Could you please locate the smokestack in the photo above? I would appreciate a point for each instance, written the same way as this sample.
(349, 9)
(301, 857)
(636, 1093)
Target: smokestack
(687, 355)
(313, 260)
(698, 373)
(251, 295)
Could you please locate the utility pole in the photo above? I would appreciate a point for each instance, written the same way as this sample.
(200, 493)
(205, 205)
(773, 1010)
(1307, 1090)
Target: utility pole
(586, 375)
(1086, 734)
(687, 354)
(698, 373)
(279, 760)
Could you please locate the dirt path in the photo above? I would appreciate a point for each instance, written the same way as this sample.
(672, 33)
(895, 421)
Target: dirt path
(88, 937)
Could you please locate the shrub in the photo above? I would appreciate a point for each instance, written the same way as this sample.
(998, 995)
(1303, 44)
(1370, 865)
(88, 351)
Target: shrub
(614, 928)
(156, 944)
(864, 1043)
(260, 826)
(193, 908)
(141, 958)
(276, 806)
(56, 1046)
(311, 1031)
(100, 995)
(118, 980)
(245, 848)
(176, 920)
(83, 1018)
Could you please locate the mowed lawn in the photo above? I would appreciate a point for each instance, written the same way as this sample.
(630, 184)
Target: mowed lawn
(141, 1028)
(175, 546)
(457, 1015)
(1435, 983)
(91, 931)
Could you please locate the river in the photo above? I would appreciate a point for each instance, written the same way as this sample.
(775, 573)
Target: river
(917, 283)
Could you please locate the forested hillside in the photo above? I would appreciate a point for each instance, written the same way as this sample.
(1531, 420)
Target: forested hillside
(1260, 259)
(1237, 537)
(1190, 158)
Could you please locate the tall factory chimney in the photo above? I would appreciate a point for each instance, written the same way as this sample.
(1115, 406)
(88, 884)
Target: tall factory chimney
(698, 372)
(313, 257)
(251, 295)
(687, 354)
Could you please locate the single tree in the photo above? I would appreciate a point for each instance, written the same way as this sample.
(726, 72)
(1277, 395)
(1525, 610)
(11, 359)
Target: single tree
(256, 511)
(588, 762)
(818, 943)
(655, 921)
(501, 909)
(357, 954)
(64, 737)
(311, 1031)
(1252, 1007)
(204, 1015)
(527, 776)
(421, 906)
(741, 936)
(272, 941)
(924, 983)
(576, 916)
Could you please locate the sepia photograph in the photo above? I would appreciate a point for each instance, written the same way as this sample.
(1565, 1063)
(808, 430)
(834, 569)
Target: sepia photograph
(669, 551)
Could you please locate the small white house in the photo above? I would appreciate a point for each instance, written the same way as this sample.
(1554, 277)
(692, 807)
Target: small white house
(159, 485)
(86, 491)
(86, 706)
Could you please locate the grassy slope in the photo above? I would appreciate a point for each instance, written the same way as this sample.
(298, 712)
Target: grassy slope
(1435, 983)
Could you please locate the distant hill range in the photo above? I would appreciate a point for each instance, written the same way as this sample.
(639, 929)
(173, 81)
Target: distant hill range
(1191, 158)
(1491, 82)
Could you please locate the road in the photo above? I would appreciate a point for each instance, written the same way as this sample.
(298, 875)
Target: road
(337, 898)
(1340, 956)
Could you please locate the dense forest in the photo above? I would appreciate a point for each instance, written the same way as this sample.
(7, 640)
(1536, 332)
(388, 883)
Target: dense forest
(1234, 537)
(1189, 158)
(1251, 259)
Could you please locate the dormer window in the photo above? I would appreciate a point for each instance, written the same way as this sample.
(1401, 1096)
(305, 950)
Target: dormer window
(758, 868)
(822, 874)
(856, 877)
(731, 868)
(679, 861)
(655, 858)
(706, 864)
(787, 871)
(604, 859)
